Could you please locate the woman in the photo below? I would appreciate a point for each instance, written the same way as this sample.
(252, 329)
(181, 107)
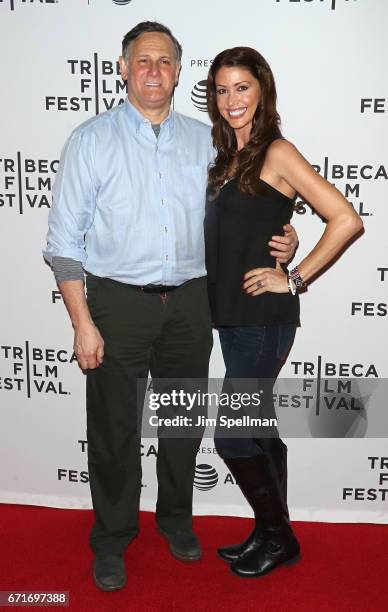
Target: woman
(254, 300)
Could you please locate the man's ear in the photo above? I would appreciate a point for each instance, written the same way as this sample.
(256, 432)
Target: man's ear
(123, 68)
(177, 73)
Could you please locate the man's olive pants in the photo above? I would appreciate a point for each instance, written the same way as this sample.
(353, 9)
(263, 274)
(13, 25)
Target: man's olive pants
(169, 336)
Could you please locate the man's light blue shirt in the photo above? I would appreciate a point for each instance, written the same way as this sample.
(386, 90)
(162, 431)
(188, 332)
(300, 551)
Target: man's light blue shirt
(128, 205)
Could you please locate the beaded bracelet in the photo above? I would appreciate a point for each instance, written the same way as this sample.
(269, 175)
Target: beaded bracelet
(298, 281)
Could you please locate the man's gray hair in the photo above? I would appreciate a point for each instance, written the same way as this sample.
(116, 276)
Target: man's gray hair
(143, 28)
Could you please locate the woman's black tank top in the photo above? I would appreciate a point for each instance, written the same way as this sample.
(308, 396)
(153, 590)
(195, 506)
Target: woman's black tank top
(238, 227)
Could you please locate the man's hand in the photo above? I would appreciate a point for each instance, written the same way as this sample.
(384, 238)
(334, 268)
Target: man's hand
(88, 343)
(284, 247)
(88, 346)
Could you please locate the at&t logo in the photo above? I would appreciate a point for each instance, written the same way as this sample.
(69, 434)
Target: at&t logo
(206, 477)
(119, 2)
(198, 96)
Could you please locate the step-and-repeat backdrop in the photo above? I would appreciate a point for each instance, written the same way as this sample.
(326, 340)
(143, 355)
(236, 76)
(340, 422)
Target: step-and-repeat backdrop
(59, 67)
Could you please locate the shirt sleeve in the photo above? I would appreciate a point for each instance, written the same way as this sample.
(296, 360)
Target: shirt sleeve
(74, 199)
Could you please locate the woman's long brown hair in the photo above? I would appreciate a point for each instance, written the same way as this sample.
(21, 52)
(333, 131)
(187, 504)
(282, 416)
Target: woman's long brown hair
(249, 161)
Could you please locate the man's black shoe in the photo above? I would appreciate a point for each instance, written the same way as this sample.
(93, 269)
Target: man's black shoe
(109, 572)
(183, 545)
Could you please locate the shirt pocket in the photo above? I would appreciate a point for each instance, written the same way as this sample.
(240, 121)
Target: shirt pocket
(194, 181)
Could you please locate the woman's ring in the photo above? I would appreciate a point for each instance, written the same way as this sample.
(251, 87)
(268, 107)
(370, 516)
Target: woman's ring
(259, 284)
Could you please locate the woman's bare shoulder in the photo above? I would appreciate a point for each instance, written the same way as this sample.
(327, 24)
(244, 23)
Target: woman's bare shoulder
(280, 148)
(281, 154)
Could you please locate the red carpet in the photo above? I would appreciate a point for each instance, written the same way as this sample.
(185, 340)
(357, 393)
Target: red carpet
(343, 568)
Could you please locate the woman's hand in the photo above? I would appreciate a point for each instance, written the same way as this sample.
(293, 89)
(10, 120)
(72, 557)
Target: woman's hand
(260, 280)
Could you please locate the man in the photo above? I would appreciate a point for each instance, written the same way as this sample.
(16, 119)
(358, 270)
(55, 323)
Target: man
(128, 207)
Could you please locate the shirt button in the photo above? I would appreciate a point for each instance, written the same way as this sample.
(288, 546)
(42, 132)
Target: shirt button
(165, 229)
(160, 175)
(166, 257)
(163, 201)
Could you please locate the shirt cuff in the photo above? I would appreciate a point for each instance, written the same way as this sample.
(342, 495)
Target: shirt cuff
(65, 268)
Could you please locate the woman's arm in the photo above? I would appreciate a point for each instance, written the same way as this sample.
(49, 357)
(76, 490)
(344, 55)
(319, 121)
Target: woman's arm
(342, 221)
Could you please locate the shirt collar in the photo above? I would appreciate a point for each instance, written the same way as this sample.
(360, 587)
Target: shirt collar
(137, 120)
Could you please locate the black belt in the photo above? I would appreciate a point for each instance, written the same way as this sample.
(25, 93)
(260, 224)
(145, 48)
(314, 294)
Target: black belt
(157, 288)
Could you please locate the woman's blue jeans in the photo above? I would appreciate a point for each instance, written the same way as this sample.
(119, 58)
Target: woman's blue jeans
(253, 353)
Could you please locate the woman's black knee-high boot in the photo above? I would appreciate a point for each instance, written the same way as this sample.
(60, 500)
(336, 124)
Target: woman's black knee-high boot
(243, 469)
(279, 544)
(276, 452)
